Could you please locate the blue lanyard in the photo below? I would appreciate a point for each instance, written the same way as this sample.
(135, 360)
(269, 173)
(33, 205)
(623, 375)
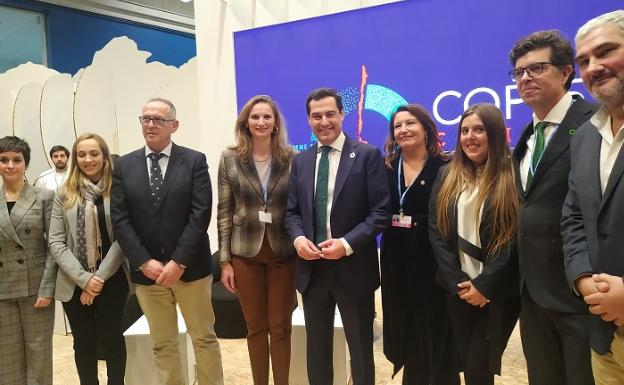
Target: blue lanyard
(402, 196)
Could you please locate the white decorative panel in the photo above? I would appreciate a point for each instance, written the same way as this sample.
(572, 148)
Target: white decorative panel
(57, 113)
(6, 112)
(27, 125)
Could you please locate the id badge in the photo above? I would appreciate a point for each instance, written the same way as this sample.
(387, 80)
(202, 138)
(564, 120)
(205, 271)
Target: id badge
(264, 216)
(404, 221)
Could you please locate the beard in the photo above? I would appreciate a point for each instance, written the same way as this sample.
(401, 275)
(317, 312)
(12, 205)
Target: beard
(608, 93)
(60, 166)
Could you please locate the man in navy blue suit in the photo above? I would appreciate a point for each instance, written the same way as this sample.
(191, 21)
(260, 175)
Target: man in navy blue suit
(337, 204)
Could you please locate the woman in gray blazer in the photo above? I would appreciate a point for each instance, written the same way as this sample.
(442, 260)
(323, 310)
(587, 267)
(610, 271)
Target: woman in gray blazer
(92, 280)
(257, 257)
(27, 272)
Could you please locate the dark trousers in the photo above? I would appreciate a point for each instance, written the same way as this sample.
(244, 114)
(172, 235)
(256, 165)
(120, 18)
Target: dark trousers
(555, 344)
(357, 315)
(266, 290)
(101, 320)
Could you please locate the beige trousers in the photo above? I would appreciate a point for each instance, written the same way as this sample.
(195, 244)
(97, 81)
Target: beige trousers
(609, 368)
(159, 305)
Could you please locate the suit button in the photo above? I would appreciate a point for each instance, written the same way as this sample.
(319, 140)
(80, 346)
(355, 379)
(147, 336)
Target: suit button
(1, 264)
(27, 231)
(415, 224)
(20, 261)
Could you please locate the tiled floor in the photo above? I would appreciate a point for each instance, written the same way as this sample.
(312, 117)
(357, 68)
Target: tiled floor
(237, 371)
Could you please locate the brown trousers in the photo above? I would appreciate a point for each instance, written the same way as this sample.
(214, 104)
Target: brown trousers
(266, 290)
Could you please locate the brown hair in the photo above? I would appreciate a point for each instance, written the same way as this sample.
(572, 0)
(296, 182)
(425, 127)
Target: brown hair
(496, 181)
(279, 145)
(432, 138)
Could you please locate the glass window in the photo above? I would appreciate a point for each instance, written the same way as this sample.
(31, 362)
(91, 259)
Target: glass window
(22, 38)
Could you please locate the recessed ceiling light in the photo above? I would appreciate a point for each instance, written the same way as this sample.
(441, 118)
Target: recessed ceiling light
(186, 1)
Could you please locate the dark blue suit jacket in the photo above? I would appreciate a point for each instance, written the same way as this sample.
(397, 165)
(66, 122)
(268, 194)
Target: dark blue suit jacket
(360, 211)
(176, 229)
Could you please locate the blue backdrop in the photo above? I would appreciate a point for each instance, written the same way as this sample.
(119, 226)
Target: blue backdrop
(443, 54)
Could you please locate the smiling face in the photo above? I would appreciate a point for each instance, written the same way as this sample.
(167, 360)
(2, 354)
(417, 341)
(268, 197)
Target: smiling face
(325, 119)
(408, 131)
(90, 159)
(600, 57)
(12, 166)
(474, 140)
(542, 91)
(261, 121)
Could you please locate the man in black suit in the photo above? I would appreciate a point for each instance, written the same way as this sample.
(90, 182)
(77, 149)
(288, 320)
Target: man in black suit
(337, 205)
(160, 206)
(553, 321)
(592, 221)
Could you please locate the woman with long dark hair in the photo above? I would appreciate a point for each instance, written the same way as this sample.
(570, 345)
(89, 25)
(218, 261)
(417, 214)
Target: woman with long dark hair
(92, 280)
(472, 223)
(417, 335)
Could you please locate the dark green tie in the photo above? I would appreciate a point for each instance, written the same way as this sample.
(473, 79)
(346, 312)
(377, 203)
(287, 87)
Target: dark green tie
(538, 150)
(320, 197)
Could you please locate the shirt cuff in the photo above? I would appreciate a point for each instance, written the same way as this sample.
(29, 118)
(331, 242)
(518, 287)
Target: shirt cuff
(296, 239)
(345, 244)
(574, 288)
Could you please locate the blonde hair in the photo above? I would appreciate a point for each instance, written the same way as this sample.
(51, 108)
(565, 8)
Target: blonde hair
(279, 146)
(73, 184)
(496, 182)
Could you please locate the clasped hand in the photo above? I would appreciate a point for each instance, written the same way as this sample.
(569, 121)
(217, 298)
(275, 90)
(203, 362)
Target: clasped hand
(469, 293)
(164, 275)
(329, 249)
(604, 294)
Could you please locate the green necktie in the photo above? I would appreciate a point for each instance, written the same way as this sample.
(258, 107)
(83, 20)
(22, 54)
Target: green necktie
(320, 197)
(538, 150)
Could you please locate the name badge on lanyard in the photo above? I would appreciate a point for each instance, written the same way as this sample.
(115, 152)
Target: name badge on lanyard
(265, 215)
(400, 220)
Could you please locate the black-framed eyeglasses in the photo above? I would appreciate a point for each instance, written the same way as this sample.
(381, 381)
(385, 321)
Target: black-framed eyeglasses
(145, 120)
(532, 70)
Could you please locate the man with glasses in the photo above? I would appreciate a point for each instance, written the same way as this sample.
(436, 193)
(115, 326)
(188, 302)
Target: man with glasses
(160, 206)
(593, 214)
(553, 321)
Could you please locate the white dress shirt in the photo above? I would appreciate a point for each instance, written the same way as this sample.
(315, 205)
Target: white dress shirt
(468, 221)
(554, 118)
(609, 147)
(51, 179)
(163, 162)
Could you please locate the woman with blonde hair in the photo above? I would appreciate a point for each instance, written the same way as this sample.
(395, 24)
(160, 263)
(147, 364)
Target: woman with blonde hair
(92, 280)
(472, 223)
(27, 272)
(256, 254)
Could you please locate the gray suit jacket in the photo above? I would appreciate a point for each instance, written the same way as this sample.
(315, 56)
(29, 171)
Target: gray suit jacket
(240, 198)
(592, 223)
(26, 267)
(62, 243)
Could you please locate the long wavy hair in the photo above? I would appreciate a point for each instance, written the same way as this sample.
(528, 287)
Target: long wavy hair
(495, 180)
(432, 139)
(279, 144)
(75, 181)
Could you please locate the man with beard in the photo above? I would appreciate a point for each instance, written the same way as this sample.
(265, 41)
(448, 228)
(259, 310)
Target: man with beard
(54, 178)
(593, 214)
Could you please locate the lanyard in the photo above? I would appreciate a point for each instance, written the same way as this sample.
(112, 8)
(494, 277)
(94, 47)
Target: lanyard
(265, 190)
(402, 196)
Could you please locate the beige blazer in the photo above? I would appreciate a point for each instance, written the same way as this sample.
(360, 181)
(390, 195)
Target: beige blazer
(26, 267)
(62, 247)
(240, 198)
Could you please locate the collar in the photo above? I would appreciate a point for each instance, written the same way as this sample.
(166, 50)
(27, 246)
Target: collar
(602, 121)
(337, 144)
(558, 112)
(166, 151)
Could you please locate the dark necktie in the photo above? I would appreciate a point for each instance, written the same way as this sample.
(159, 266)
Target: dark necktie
(320, 197)
(156, 178)
(538, 150)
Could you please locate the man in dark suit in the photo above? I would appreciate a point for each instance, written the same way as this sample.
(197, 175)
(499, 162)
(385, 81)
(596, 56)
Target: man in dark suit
(553, 321)
(160, 206)
(337, 205)
(593, 214)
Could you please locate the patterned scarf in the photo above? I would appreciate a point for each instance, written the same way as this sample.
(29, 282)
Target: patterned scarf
(89, 248)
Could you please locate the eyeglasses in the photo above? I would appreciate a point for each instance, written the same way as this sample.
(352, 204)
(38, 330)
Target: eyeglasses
(532, 70)
(158, 122)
